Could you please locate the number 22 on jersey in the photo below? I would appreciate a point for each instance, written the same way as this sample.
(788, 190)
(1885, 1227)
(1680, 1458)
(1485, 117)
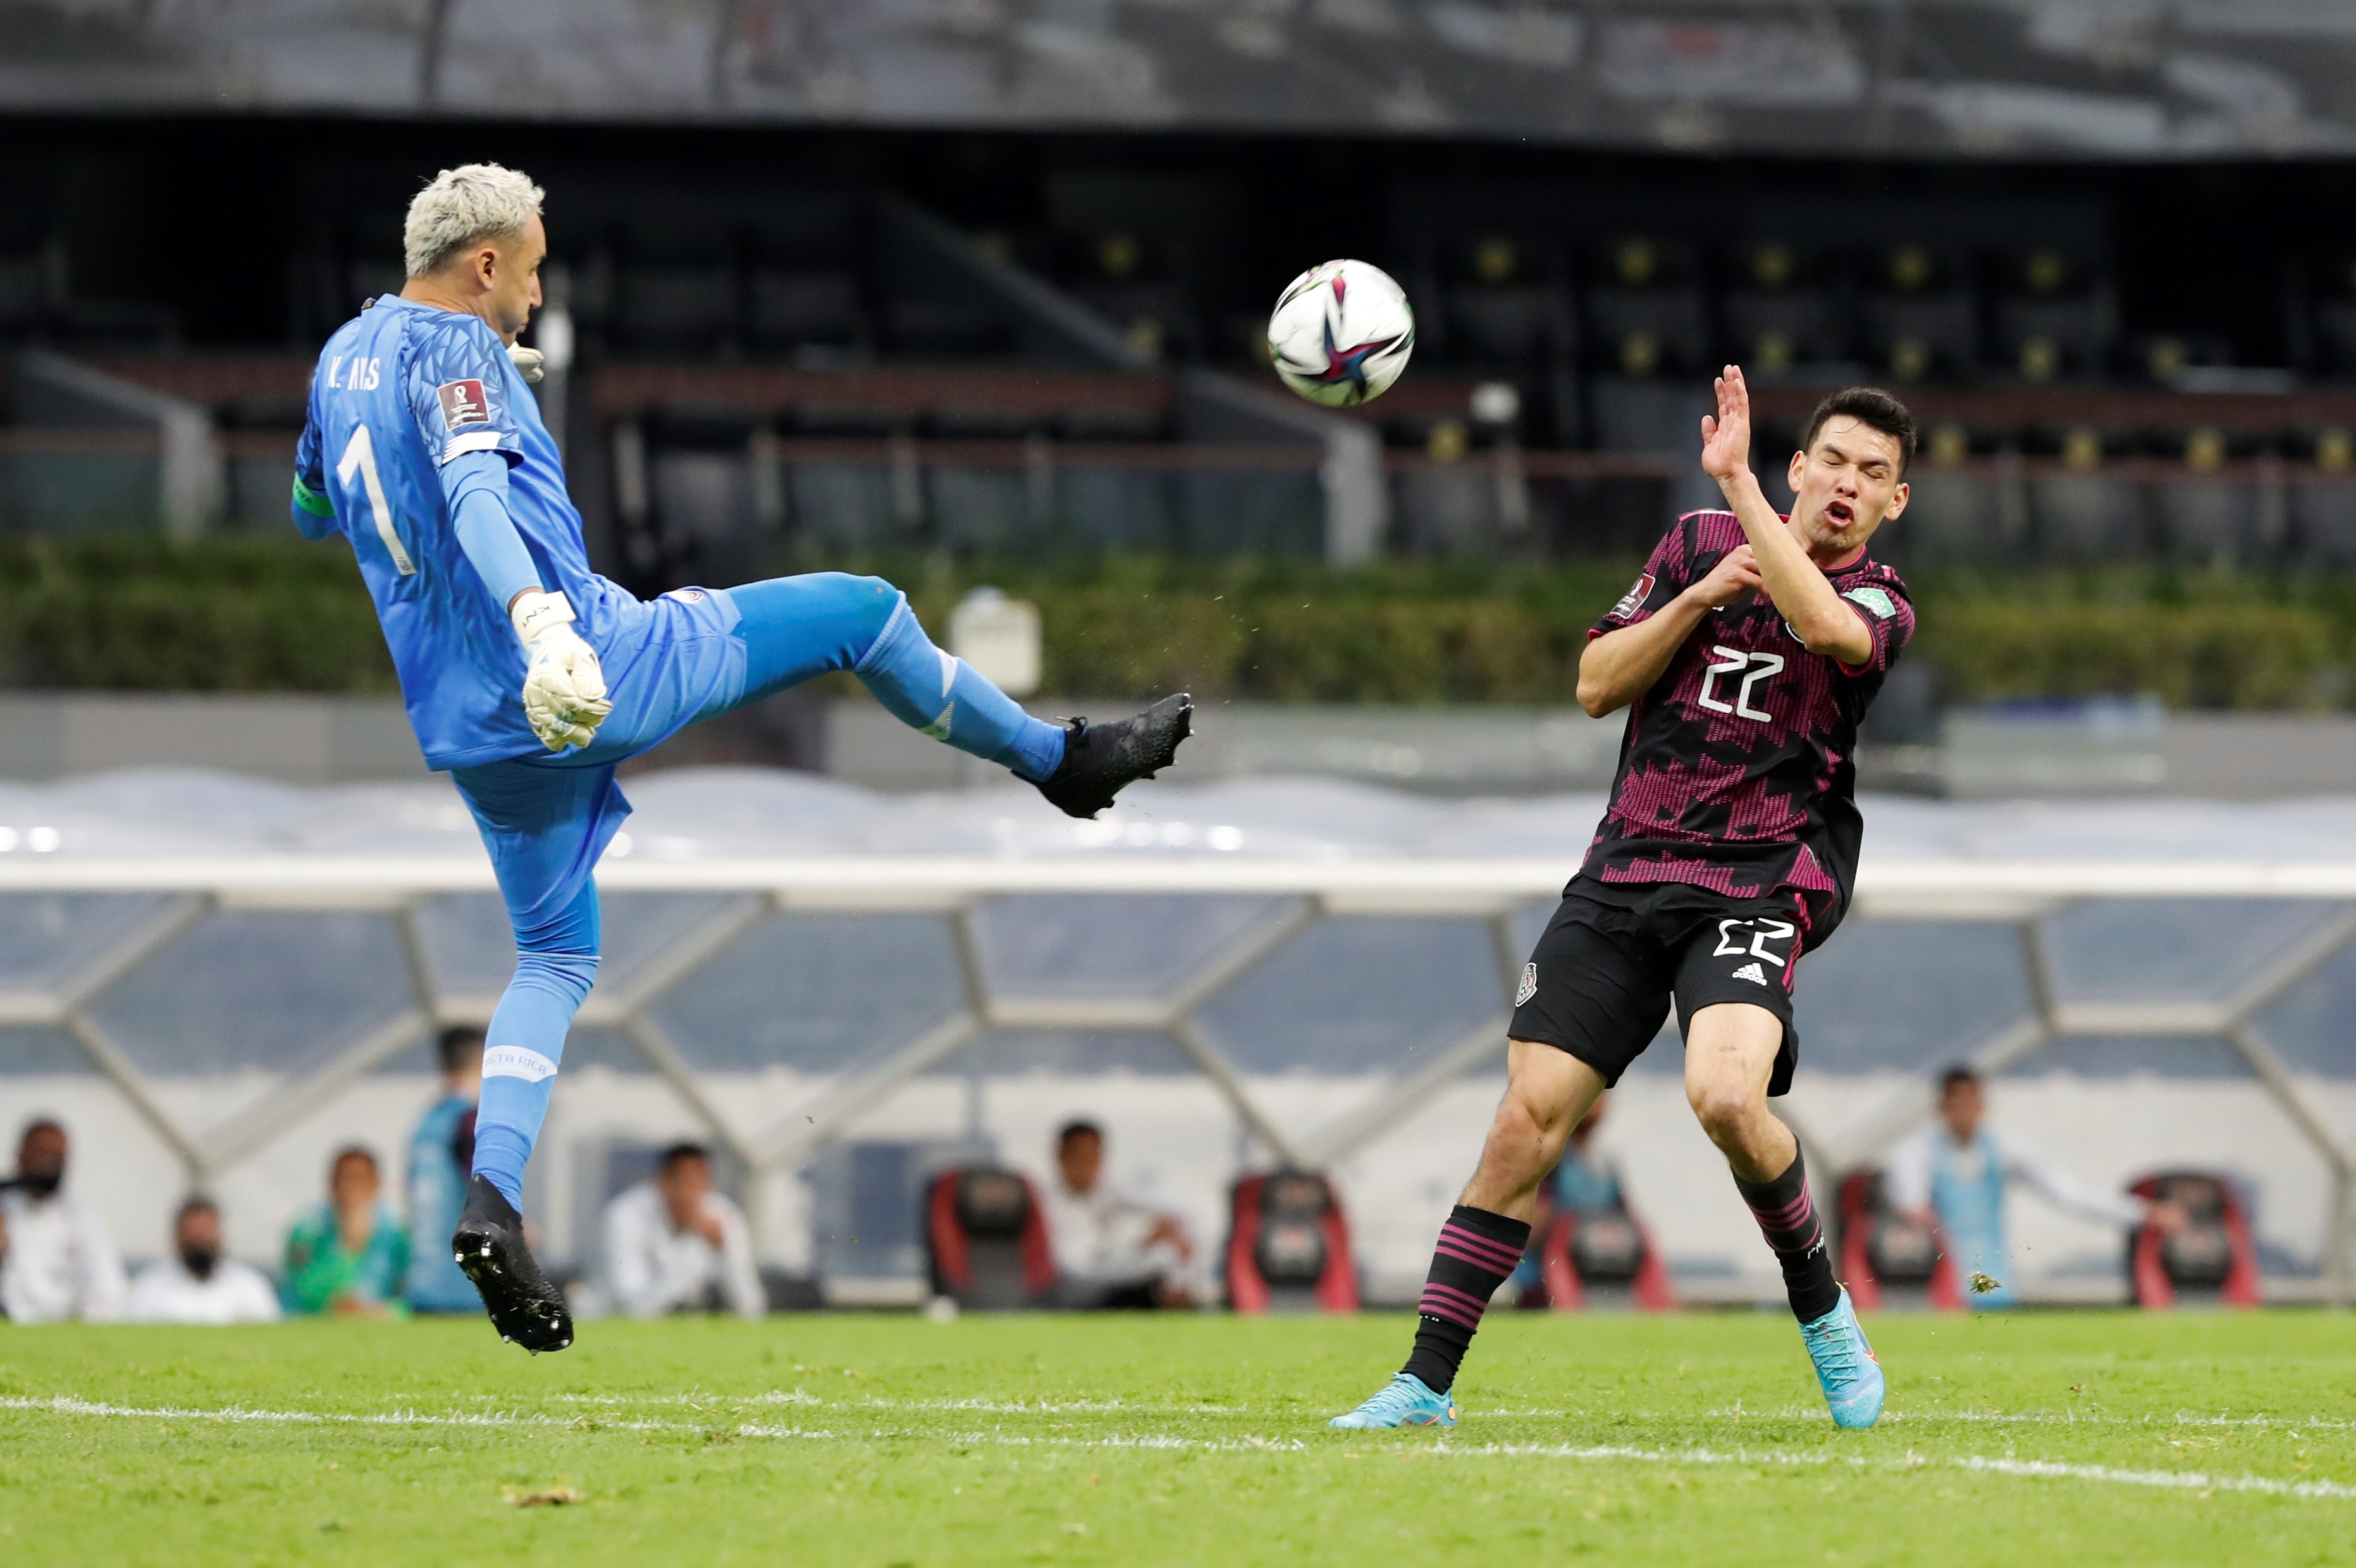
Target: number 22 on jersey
(1756, 667)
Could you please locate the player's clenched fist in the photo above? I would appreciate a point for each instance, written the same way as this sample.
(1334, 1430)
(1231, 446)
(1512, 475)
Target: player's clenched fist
(1736, 573)
(563, 686)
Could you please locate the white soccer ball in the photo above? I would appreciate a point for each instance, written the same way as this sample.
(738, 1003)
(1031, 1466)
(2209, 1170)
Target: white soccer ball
(1341, 333)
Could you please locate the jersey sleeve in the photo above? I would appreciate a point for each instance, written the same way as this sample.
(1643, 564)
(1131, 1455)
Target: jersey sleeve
(458, 396)
(310, 506)
(1667, 573)
(1880, 602)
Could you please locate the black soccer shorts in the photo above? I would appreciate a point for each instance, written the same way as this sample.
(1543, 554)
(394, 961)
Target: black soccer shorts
(1599, 981)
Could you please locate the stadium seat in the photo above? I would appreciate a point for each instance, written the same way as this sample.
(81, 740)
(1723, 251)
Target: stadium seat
(1289, 1247)
(1779, 329)
(986, 1240)
(1784, 309)
(1604, 1260)
(2211, 1258)
(1890, 1260)
(1919, 336)
(2048, 340)
(1647, 332)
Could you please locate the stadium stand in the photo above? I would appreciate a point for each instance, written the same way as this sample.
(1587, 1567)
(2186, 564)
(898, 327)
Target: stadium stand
(778, 357)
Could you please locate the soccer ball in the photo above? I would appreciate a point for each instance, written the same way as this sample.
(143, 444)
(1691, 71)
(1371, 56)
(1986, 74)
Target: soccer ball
(1341, 333)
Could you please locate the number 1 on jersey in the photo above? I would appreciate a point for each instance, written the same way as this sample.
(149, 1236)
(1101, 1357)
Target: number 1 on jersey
(359, 457)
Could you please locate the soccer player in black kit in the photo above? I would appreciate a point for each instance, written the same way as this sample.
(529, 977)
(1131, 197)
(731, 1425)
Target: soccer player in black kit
(1745, 654)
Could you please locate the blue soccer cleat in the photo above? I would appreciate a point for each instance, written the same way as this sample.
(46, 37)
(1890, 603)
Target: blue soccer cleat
(1846, 1366)
(1405, 1401)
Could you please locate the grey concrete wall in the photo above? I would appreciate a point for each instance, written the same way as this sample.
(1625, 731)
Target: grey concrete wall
(296, 738)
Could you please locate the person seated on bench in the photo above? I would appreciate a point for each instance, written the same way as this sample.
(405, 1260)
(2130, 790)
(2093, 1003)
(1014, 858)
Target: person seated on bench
(675, 1243)
(1956, 1173)
(1111, 1250)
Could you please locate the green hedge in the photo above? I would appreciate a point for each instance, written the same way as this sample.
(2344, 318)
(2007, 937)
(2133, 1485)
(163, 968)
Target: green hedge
(268, 615)
(227, 615)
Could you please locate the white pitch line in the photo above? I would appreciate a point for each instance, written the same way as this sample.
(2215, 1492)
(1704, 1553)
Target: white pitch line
(1119, 1407)
(984, 1406)
(2038, 1470)
(2026, 1418)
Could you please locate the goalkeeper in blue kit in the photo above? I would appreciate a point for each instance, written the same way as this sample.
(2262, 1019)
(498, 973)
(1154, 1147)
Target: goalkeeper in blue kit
(529, 678)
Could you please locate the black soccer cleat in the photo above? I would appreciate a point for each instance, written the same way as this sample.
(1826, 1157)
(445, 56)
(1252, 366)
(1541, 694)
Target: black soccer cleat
(1100, 760)
(525, 1308)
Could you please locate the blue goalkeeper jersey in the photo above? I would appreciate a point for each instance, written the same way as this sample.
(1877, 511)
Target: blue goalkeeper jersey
(399, 391)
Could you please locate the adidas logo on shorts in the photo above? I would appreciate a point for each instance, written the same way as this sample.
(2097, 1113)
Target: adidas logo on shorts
(1751, 972)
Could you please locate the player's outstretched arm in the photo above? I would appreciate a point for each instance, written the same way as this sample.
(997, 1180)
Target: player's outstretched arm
(1619, 666)
(1819, 618)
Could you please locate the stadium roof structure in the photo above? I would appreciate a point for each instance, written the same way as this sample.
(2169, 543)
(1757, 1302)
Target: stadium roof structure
(2115, 79)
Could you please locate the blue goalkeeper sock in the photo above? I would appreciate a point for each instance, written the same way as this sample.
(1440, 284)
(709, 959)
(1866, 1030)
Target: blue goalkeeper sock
(928, 690)
(555, 965)
(797, 628)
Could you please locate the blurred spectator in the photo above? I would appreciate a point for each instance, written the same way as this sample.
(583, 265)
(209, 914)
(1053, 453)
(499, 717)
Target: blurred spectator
(196, 1283)
(674, 1243)
(1111, 1250)
(441, 1156)
(349, 1255)
(1956, 1176)
(56, 1260)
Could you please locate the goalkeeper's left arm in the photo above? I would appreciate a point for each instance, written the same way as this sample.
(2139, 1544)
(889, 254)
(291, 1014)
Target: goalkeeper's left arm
(563, 685)
(314, 513)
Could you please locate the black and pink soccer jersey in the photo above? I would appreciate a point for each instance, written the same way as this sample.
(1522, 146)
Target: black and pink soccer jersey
(1739, 772)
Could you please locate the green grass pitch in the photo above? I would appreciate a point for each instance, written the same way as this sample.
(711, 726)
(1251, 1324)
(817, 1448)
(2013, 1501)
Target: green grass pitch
(874, 1441)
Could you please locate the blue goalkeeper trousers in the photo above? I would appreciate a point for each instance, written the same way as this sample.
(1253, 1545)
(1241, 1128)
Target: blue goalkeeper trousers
(700, 652)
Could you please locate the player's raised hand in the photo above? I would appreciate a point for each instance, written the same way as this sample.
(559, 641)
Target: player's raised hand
(1736, 573)
(1726, 434)
(564, 685)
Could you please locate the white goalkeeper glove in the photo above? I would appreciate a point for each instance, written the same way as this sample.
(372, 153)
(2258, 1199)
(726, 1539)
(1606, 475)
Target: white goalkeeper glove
(529, 362)
(563, 686)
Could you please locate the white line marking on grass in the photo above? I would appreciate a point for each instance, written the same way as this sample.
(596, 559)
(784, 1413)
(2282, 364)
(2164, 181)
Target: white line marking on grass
(2037, 1469)
(2026, 1418)
(984, 1405)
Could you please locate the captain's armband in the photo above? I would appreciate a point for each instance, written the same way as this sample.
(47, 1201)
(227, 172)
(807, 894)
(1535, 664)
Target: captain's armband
(311, 501)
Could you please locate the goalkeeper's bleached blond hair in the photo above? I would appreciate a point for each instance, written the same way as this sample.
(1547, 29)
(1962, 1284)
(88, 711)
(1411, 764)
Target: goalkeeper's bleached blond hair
(463, 207)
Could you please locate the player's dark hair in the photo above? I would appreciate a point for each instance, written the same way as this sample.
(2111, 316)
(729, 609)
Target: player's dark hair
(1076, 1129)
(1876, 410)
(1958, 1074)
(679, 1155)
(455, 1044)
